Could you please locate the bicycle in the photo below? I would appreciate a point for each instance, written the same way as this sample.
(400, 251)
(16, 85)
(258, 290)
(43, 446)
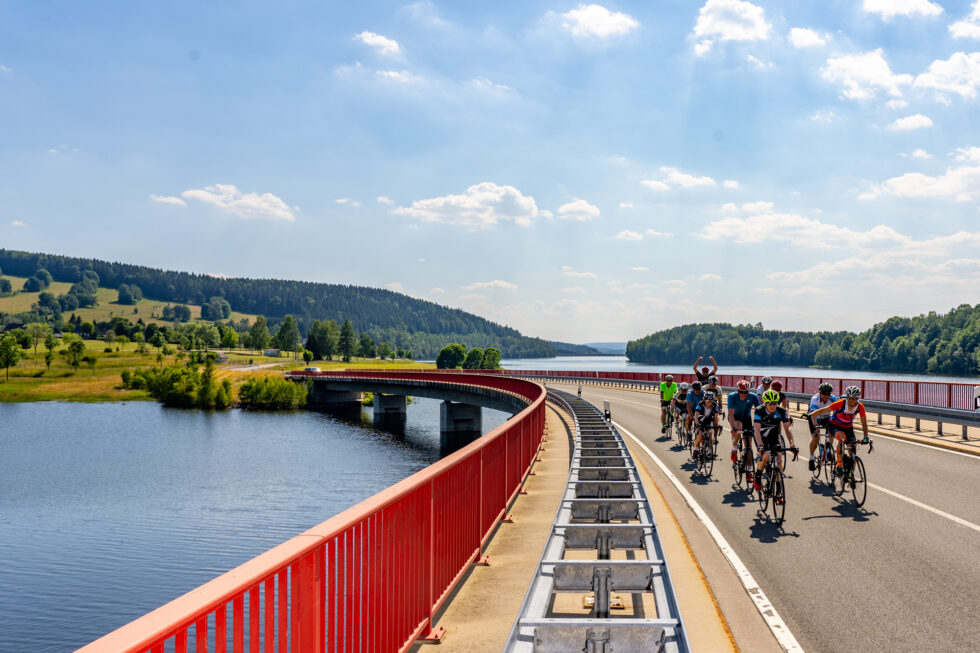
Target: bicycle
(774, 485)
(706, 457)
(852, 473)
(669, 423)
(682, 434)
(826, 460)
(743, 461)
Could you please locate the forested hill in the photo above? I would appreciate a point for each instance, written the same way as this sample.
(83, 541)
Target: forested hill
(419, 325)
(934, 343)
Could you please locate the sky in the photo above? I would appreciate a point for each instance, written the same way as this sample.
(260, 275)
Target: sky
(581, 172)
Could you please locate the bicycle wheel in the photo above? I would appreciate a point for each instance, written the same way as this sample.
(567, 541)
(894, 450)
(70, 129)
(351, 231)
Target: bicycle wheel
(764, 492)
(709, 454)
(840, 479)
(778, 496)
(782, 460)
(738, 468)
(858, 482)
(817, 468)
(829, 461)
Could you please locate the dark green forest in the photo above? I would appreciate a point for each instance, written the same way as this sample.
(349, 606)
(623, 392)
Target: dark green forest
(414, 324)
(933, 344)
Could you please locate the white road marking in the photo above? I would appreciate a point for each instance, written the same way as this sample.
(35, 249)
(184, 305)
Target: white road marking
(776, 624)
(954, 518)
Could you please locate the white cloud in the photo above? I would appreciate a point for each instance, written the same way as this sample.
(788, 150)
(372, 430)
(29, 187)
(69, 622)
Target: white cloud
(382, 199)
(425, 13)
(399, 76)
(803, 37)
(573, 289)
(729, 20)
(653, 233)
(823, 115)
(729, 207)
(248, 206)
(626, 234)
(484, 85)
(710, 276)
(496, 283)
(863, 75)
(578, 210)
(396, 287)
(595, 21)
(482, 206)
(891, 8)
(569, 271)
(917, 121)
(381, 44)
(961, 184)
(17, 223)
(436, 291)
(960, 74)
(347, 200)
(730, 184)
(6, 69)
(673, 177)
(164, 199)
(759, 64)
(655, 185)
(920, 154)
(626, 205)
(895, 105)
(639, 268)
(968, 154)
(969, 27)
(758, 207)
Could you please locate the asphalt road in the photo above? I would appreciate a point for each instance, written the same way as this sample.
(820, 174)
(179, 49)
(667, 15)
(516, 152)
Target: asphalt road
(891, 575)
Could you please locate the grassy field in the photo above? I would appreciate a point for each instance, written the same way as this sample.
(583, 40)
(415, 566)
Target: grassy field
(148, 309)
(31, 380)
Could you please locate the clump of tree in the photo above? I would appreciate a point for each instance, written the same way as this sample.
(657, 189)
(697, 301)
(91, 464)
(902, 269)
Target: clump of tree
(177, 313)
(129, 294)
(455, 356)
(183, 386)
(216, 308)
(272, 393)
(10, 352)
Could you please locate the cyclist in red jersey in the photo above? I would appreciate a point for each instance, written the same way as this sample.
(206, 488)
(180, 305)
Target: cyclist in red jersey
(842, 416)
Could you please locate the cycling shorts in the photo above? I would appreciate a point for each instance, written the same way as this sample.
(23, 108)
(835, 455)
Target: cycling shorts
(846, 431)
(746, 421)
(770, 441)
(821, 421)
(664, 404)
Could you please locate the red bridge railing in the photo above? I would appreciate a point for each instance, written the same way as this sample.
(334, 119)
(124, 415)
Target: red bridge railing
(371, 578)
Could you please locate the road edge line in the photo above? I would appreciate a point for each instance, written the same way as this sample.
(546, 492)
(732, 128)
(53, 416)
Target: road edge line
(766, 610)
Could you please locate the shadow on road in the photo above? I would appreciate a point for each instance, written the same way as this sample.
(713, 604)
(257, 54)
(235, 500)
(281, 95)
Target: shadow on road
(821, 488)
(737, 497)
(845, 510)
(766, 530)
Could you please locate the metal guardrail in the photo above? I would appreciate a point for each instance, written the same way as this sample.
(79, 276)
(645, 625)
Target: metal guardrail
(371, 578)
(603, 542)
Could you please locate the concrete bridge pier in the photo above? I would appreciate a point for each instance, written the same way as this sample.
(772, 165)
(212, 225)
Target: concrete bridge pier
(344, 402)
(390, 412)
(459, 424)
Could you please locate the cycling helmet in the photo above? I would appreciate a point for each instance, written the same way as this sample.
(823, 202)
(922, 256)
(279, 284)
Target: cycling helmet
(684, 386)
(853, 391)
(708, 396)
(777, 385)
(669, 378)
(766, 379)
(825, 389)
(743, 385)
(713, 380)
(770, 397)
(696, 386)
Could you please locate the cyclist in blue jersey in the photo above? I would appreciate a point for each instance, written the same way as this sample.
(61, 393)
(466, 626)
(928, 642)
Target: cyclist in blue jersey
(740, 406)
(822, 399)
(694, 396)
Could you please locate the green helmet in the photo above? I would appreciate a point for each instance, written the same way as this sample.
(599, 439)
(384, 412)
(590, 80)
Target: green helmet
(770, 397)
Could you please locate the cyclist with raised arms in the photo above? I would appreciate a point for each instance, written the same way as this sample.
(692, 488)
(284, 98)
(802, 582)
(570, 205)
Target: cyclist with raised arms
(703, 373)
(766, 424)
(708, 415)
(824, 397)
(667, 390)
(842, 413)
(766, 383)
(741, 403)
(694, 396)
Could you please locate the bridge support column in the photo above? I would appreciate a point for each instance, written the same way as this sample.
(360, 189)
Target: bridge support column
(390, 412)
(459, 424)
(320, 398)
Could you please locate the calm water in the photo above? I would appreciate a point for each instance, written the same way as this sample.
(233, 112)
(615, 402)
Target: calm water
(107, 511)
(619, 363)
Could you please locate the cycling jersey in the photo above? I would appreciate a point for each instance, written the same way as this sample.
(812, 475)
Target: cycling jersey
(702, 378)
(694, 398)
(743, 407)
(769, 423)
(762, 389)
(816, 403)
(680, 399)
(667, 391)
(843, 416)
(704, 415)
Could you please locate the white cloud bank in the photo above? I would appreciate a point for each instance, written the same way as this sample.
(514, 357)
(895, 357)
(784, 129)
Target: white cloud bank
(863, 75)
(803, 37)
(729, 20)
(890, 8)
(917, 121)
(597, 22)
(569, 271)
(579, 210)
(969, 27)
(960, 74)
(247, 206)
(496, 283)
(481, 206)
(381, 44)
(672, 177)
(165, 199)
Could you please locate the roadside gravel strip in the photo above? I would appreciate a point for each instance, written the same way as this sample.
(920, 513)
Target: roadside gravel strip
(758, 596)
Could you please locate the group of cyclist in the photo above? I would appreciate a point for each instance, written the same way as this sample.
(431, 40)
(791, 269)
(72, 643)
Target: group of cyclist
(759, 415)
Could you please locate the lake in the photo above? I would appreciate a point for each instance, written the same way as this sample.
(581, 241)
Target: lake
(108, 511)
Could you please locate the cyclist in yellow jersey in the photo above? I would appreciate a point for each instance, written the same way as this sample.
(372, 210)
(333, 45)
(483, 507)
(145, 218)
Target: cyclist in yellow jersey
(667, 391)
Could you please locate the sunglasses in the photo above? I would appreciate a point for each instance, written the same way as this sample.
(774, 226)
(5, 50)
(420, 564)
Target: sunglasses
(743, 392)
(772, 403)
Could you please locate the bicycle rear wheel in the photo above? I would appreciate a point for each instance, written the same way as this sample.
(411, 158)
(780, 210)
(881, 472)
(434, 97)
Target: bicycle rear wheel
(764, 492)
(859, 482)
(738, 468)
(829, 460)
(709, 454)
(782, 459)
(778, 496)
(817, 468)
(840, 479)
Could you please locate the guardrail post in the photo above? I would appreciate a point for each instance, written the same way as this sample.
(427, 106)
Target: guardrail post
(964, 433)
(898, 421)
(940, 426)
(917, 424)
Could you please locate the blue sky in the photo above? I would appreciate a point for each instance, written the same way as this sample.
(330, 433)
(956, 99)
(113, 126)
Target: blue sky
(581, 172)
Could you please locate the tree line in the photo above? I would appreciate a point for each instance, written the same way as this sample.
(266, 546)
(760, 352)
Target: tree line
(929, 344)
(419, 325)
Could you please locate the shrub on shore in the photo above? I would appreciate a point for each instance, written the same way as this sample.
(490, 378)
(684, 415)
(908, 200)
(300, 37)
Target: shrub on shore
(272, 393)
